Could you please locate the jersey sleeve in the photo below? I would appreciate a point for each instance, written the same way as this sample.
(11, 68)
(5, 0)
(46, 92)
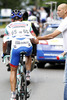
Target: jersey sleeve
(31, 30)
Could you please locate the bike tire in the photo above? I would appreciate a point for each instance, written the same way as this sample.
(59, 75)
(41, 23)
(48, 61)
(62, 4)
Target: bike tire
(18, 89)
(17, 97)
(24, 87)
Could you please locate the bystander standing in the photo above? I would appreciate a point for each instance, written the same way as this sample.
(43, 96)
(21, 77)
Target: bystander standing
(62, 13)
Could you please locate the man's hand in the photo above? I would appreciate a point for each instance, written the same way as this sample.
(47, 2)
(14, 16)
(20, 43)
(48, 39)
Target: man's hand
(63, 54)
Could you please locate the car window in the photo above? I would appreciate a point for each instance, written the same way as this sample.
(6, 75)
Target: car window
(50, 30)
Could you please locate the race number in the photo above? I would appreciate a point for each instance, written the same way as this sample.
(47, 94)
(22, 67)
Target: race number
(21, 31)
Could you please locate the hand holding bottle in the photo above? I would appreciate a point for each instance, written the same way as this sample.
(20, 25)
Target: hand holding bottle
(61, 56)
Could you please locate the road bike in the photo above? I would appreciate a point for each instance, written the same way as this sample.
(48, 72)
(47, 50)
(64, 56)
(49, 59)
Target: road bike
(21, 86)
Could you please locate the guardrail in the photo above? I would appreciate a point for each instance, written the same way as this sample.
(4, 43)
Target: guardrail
(5, 20)
(2, 32)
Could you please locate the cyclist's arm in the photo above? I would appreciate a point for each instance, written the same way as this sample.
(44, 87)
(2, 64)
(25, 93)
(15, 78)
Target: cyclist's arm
(4, 47)
(34, 40)
(5, 43)
(35, 29)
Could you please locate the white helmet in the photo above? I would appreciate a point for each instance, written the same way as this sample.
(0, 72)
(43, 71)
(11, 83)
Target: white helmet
(32, 18)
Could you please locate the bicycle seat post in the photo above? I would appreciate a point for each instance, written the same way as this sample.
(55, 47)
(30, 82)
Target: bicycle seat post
(22, 54)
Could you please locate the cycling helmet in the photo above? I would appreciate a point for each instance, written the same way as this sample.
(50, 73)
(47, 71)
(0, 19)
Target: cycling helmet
(16, 14)
(32, 18)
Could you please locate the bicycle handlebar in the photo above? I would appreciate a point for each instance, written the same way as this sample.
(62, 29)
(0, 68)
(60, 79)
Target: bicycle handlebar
(4, 58)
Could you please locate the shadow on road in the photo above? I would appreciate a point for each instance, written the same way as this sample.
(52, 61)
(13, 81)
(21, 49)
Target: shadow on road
(54, 66)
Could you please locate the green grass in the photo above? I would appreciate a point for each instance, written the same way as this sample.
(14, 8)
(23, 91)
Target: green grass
(3, 25)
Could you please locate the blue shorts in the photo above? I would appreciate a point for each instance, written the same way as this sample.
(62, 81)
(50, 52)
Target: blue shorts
(43, 20)
(15, 55)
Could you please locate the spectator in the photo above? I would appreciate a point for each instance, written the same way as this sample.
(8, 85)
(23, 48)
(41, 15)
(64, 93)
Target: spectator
(43, 15)
(62, 12)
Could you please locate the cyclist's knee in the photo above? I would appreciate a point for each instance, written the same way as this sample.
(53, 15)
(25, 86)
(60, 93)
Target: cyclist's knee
(13, 68)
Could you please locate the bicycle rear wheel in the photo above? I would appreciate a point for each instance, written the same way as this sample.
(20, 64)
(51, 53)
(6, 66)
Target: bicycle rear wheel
(17, 97)
(22, 93)
(24, 87)
(18, 88)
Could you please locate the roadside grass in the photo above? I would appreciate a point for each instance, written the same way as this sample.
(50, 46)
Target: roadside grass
(3, 25)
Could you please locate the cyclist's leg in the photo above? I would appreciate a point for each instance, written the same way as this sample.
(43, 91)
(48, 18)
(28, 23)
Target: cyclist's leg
(14, 65)
(28, 65)
(13, 81)
(28, 68)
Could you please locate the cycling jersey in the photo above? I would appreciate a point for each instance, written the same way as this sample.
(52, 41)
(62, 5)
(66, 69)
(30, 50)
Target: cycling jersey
(21, 34)
(16, 25)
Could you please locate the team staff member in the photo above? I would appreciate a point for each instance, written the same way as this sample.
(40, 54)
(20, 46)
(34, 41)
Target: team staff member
(62, 12)
(19, 30)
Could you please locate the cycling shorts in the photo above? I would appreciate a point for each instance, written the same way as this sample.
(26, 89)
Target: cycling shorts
(15, 55)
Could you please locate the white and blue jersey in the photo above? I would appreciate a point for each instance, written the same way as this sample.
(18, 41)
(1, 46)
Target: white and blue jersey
(20, 35)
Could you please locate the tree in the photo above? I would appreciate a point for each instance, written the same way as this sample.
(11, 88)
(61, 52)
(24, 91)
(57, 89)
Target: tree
(13, 4)
(58, 1)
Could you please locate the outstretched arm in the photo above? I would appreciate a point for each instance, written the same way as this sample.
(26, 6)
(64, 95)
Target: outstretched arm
(49, 36)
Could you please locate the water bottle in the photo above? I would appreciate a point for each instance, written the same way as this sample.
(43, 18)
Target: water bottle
(60, 57)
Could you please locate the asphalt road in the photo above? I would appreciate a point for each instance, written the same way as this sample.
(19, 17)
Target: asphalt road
(46, 84)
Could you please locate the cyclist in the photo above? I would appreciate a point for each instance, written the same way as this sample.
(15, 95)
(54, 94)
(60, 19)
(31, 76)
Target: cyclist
(20, 42)
(32, 22)
(35, 26)
(8, 49)
(28, 23)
